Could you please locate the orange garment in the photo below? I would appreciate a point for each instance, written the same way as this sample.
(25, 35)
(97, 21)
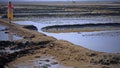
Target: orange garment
(10, 11)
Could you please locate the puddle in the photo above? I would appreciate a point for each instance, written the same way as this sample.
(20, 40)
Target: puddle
(102, 41)
(42, 62)
(8, 51)
(6, 35)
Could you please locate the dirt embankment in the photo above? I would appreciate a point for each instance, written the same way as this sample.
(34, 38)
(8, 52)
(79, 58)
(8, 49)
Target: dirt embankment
(66, 52)
(82, 27)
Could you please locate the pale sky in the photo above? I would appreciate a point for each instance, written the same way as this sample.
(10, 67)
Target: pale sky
(60, 0)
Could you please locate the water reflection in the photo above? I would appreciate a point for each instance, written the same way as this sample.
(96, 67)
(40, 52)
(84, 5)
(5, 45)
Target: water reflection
(7, 35)
(10, 35)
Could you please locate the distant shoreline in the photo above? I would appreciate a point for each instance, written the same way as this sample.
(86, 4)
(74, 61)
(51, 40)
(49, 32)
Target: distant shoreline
(64, 3)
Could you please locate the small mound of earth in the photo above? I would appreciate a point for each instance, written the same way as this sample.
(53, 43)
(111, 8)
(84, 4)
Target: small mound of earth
(30, 27)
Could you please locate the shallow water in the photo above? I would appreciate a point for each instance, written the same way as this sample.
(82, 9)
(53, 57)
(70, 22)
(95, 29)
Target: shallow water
(7, 36)
(9, 51)
(102, 41)
(76, 20)
(98, 41)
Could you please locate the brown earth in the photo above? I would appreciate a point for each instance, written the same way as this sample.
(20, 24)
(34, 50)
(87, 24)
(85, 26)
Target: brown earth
(66, 52)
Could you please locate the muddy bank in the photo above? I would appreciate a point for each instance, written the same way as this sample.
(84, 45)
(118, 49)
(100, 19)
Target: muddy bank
(30, 27)
(25, 48)
(73, 56)
(82, 27)
(26, 33)
(66, 52)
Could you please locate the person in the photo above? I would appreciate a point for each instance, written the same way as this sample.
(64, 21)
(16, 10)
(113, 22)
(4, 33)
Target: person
(10, 11)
